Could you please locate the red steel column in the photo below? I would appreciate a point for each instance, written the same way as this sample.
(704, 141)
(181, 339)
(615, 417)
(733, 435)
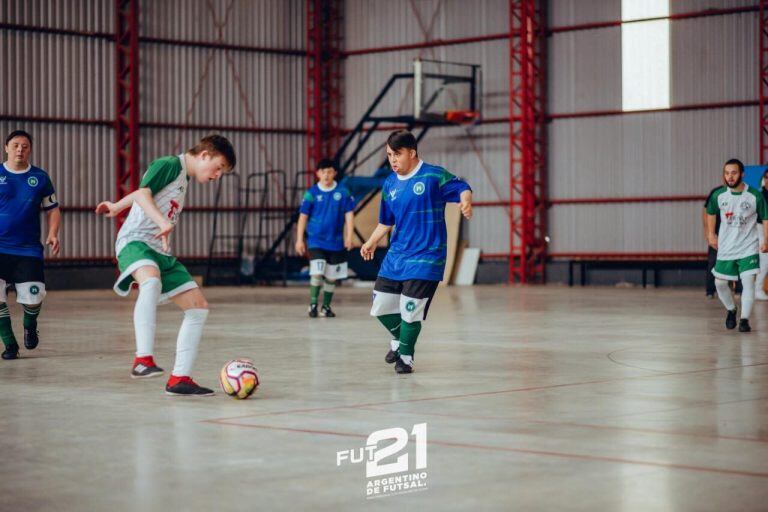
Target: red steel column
(763, 81)
(324, 79)
(527, 202)
(126, 97)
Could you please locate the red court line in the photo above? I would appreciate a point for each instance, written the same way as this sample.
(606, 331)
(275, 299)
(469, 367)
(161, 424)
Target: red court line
(545, 453)
(487, 393)
(579, 425)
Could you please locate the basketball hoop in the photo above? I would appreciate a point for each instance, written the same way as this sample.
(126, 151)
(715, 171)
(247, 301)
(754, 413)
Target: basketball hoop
(462, 116)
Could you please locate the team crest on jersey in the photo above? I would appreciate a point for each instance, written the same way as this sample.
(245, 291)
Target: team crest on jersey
(319, 198)
(745, 205)
(32, 181)
(418, 188)
(337, 196)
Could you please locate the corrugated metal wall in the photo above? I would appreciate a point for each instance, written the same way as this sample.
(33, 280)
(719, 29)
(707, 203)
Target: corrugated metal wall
(184, 89)
(713, 60)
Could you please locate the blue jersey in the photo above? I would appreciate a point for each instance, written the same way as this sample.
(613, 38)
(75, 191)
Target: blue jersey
(22, 196)
(326, 210)
(416, 207)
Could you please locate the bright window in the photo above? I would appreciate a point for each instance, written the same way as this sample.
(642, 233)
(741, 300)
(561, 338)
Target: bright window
(645, 55)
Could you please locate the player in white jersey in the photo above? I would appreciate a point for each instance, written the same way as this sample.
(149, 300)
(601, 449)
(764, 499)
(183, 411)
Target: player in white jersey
(740, 208)
(144, 256)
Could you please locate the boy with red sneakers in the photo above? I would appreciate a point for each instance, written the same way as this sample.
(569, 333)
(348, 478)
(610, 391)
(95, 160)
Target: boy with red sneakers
(143, 255)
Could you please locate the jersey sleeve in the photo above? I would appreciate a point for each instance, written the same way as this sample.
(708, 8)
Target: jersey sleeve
(386, 215)
(49, 201)
(712, 207)
(451, 187)
(159, 175)
(349, 202)
(307, 203)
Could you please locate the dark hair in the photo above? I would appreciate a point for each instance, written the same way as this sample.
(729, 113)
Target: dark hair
(325, 163)
(216, 144)
(18, 133)
(735, 161)
(401, 139)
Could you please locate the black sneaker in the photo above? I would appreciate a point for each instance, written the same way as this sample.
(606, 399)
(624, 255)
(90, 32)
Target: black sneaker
(313, 311)
(187, 387)
(402, 367)
(31, 338)
(142, 371)
(11, 352)
(744, 325)
(392, 356)
(327, 312)
(730, 320)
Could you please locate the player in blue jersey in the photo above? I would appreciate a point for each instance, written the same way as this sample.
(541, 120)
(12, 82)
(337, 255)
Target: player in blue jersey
(413, 202)
(327, 216)
(25, 190)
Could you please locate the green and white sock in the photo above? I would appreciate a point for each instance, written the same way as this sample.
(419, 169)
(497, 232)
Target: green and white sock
(328, 289)
(392, 323)
(409, 333)
(30, 316)
(6, 330)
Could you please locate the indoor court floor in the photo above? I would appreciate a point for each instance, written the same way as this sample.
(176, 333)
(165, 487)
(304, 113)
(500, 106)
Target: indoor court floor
(535, 398)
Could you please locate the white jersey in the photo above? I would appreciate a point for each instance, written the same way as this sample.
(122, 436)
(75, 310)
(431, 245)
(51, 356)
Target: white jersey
(739, 212)
(167, 179)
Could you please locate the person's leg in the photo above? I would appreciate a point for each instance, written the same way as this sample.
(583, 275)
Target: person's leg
(179, 286)
(145, 321)
(6, 328)
(711, 260)
(386, 308)
(335, 270)
(317, 264)
(760, 281)
(29, 279)
(414, 305)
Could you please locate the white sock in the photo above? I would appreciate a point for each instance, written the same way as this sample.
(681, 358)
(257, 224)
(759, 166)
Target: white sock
(407, 360)
(760, 282)
(394, 345)
(747, 295)
(330, 286)
(189, 338)
(145, 316)
(724, 292)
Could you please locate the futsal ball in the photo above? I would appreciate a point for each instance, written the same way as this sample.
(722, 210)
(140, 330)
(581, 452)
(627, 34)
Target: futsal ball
(239, 379)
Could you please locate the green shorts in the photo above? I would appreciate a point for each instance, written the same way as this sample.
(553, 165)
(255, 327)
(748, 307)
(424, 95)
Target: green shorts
(174, 276)
(731, 269)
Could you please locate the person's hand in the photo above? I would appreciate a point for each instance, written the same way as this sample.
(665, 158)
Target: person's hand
(107, 207)
(367, 250)
(348, 244)
(466, 207)
(164, 233)
(301, 247)
(712, 241)
(53, 241)
(764, 247)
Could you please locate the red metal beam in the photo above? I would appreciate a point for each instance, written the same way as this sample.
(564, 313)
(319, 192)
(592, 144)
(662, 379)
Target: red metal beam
(126, 98)
(553, 30)
(763, 42)
(213, 45)
(527, 142)
(324, 77)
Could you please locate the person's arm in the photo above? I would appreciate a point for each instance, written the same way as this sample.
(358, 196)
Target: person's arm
(111, 209)
(301, 227)
(53, 217)
(465, 204)
(349, 229)
(711, 236)
(368, 248)
(704, 224)
(142, 197)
